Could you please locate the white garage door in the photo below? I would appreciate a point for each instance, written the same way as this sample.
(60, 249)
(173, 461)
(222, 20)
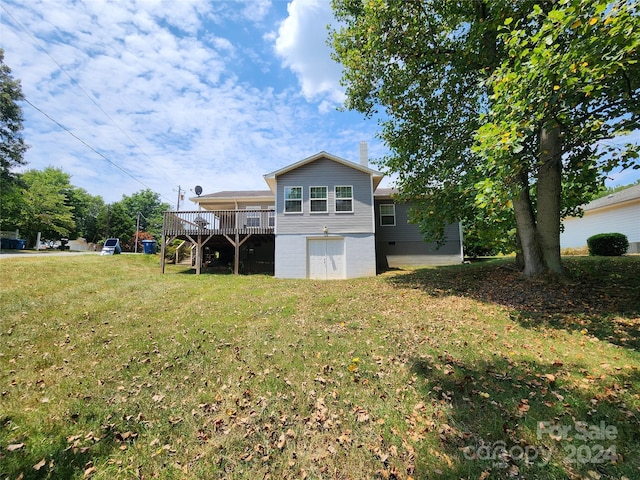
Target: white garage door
(326, 259)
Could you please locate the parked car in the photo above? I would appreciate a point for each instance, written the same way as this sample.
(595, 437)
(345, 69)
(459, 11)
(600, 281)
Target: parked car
(111, 247)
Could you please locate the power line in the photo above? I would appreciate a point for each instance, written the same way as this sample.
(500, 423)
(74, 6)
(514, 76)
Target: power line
(73, 81)
(94, 149)
(35, 40)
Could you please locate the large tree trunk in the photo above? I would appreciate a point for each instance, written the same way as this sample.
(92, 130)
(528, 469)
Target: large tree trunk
(549, 196)
(527, 232)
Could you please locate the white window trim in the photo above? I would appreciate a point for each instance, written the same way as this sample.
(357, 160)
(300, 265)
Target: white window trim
(253, 216)
(388, 215)
(335, 199)
(271, 216)
(326, 199)
(301, 200)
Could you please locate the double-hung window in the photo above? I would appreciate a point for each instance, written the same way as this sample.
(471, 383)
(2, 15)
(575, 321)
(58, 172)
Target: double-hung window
(387, 214)
(292, 199)
(272, 217)
(253, 218)
(344, 199)
(318, 199)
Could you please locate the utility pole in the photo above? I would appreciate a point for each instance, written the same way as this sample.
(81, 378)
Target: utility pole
(179, 195)
(108, 215)
(137, 231)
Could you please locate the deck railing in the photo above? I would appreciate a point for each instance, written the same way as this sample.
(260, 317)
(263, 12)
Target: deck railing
(219, 222)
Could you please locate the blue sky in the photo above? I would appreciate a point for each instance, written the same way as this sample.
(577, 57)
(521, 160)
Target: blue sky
(162, 93)
(184, 92)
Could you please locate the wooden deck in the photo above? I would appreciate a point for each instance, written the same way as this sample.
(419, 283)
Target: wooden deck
(218, 222)
(199, 227)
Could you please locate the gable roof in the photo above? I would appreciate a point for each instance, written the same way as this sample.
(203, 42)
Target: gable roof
(270, 178)
(626, 195)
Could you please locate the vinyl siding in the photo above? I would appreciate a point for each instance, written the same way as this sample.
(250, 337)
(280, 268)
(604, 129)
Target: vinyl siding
(320, 173)
(409, 233)
(262, 205)
(615, 219)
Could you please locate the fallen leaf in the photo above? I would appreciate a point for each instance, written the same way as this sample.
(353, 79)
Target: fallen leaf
(90, 471)
(15, 446)
(40, 464)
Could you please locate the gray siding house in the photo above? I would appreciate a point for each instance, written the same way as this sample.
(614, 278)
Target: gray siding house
(399, 242)
(322, 218)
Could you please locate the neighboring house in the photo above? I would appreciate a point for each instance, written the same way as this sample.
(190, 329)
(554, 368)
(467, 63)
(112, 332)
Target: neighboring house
(322, 218)
(618, 212)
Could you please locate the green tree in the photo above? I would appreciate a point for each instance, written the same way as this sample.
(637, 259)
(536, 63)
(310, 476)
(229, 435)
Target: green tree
(147, 203)
(12, 146)
(10, 192)
(435, 67)
(114, 221)
(119, 219)
(570, 80)
(43, 205)
(86, 209)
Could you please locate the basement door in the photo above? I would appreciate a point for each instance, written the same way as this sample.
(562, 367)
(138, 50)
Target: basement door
(326, 259)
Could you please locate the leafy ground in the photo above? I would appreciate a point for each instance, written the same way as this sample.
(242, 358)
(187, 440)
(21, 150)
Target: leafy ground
(110, 370)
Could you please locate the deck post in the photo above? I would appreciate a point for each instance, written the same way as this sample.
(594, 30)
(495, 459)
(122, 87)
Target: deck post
(163, 247)
(199, 255)
(236, 259)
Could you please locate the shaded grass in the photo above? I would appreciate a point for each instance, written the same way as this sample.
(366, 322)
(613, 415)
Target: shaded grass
(110, 369)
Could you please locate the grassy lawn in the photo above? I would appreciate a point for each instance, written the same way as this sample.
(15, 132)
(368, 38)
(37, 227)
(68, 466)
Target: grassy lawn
(109, 369)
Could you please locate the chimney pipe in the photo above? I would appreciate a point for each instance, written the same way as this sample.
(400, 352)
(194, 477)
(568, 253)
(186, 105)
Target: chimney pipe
(364, 154)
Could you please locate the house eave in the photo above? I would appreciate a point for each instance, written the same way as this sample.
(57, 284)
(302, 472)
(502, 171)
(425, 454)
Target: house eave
(271, 178)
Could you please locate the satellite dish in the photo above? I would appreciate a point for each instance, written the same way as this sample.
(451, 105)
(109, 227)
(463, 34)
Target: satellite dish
(198, 190)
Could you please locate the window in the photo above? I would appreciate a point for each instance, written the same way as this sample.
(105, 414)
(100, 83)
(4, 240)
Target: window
(318, 199)
(387, 214)
(253, 218)
(344, 199)
(292, 199)
(272, 217)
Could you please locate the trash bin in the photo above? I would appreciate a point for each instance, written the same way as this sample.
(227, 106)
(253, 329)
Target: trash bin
(149, 246)
(21, 244)
(6, 243)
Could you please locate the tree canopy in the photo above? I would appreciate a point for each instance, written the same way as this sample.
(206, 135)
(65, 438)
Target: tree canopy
(43, 205)
(12, 146)
(495, 111)
(46, 202)
(120, 218)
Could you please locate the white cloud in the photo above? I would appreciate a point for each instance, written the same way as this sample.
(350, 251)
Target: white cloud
(180, 107)
(256, 10)
(301, 43)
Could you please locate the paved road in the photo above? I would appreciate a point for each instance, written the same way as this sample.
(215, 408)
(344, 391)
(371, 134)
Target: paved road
(18, 254)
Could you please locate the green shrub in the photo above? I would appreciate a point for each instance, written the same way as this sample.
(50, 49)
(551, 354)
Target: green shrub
(170, 251)
(608, 244)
